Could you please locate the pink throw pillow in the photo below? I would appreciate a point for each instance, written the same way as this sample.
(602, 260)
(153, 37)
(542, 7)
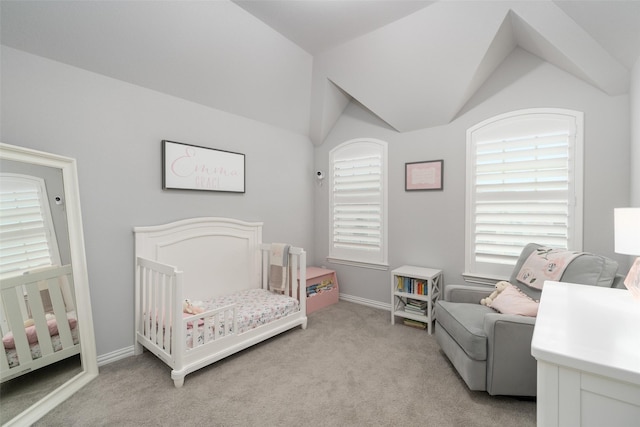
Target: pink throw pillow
(512, 301)
(32, 336)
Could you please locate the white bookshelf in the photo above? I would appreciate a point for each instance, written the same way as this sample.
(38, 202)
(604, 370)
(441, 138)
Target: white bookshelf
(416, 283)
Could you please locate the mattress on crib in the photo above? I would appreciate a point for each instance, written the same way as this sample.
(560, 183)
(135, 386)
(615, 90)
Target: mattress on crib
(36, 352)
(255, 307)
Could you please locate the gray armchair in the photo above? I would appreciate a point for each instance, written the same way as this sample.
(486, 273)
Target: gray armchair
(492, 351)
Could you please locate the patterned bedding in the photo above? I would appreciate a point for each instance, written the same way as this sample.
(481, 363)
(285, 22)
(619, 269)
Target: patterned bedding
(36, 352)
(255, 307)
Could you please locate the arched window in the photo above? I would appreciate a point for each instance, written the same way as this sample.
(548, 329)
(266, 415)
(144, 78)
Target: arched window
(27, 236)
(524, 184)
(358, 203)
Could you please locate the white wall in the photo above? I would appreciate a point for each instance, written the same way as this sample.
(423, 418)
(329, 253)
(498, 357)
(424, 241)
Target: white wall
(635, 135)
(114, 130)
(211, 52)
(427, 228)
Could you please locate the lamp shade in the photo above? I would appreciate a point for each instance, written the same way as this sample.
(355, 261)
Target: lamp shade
(627, 230)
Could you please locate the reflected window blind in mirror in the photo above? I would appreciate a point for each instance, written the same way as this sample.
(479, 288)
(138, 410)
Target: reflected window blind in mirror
(26, 227)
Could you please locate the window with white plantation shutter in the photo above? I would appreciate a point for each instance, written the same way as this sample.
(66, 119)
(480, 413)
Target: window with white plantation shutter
(27, 237)
(524, 184)
(358, 216)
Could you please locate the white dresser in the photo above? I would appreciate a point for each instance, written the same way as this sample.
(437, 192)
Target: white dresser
(587, 344)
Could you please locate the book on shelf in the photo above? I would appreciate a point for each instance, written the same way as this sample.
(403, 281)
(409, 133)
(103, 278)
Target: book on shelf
(411, 286)
(414, 323)
(416, 306)
(417, 302)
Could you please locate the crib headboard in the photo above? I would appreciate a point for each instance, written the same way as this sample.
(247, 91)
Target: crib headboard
(216, 255)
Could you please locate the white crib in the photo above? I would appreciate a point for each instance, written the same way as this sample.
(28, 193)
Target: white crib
(198, 259)
(44, 299)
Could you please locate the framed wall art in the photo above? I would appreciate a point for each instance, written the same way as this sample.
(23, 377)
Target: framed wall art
(424, 176)
(190, 167)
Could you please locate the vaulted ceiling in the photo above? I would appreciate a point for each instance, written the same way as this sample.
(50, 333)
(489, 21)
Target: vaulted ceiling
(420, 71)
(414, 64)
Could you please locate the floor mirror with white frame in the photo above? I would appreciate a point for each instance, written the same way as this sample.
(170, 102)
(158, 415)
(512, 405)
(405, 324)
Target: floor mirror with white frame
(44, 279)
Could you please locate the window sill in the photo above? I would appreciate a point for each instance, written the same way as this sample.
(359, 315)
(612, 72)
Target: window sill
(362, 264)
(479, 279)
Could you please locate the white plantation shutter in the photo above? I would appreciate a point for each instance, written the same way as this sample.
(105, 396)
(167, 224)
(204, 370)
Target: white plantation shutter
(27, 239)
(358, 199)
(523, 186)
(357, 206)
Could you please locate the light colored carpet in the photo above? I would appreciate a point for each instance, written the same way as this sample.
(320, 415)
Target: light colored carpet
(18, 394)
(350, 367)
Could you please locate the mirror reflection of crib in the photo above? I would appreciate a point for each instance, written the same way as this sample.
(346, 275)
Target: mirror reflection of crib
(37, 320)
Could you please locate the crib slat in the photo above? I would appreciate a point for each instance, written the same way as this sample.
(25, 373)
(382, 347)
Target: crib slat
(154, 306)
(151, 308)
(265, 266)
(302, 295)
(158, 289)
(148, 316)
(147, 304)
(155, 289)
(68, 294)
(177, 335)
(167, 314)
(4, 325)
(37, 312)
(235, 321)
(301, 279)
(208, 323)
(23, 305)
(163, 329)
(293, 282)
(11, 298)
(4, 362)
(61, 314)
(140, 311)
(146, 279)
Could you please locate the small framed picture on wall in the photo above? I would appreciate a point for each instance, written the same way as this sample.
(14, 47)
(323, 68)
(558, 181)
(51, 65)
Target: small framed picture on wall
(424, 176)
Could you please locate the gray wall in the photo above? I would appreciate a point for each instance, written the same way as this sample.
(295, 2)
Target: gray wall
(635, 135)
(114, 130)
(427, 228)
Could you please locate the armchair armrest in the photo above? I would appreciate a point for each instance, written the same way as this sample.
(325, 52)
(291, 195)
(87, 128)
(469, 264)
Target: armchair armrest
(471, 294)
(511, 369)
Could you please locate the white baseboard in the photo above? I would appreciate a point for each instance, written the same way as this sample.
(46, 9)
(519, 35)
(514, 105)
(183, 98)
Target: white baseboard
(364, 301)
(105, 359)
